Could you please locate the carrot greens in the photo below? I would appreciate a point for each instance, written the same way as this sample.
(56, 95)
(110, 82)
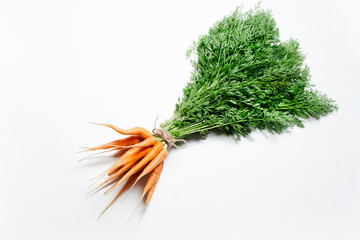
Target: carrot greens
(246, 78)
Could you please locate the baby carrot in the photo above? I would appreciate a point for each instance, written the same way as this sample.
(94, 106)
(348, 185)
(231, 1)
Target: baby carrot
(152, 181)
(142, 132)
(150, 141)
(155, 162)
(115, 175)
(133, 155)
(139, 165)
(118, 143)
(150, 193)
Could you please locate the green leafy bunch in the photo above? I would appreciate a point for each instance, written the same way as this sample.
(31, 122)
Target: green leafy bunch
(245, 78)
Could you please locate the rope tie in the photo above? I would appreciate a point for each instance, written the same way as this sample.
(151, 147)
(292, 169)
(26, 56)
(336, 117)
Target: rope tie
(167, 137)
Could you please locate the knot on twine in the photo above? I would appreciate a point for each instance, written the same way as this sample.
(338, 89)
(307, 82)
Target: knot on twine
(167, 137)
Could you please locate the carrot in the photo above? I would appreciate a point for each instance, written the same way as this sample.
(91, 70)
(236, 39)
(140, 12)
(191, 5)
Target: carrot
(157, 171)
(115, 175)
(130, 156)
(139, 165)
(124, 163)
(150, 193)
(153, 178)
(154, 163)
(130, 153)
(150, 141)
(118, 143)
(123, 189)
(142, 132)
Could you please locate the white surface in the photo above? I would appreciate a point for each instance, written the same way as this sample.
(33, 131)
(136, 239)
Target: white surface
(64, 63)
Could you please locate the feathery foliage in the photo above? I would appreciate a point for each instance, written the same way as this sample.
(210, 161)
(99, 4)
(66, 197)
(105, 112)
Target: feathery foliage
(245, 78)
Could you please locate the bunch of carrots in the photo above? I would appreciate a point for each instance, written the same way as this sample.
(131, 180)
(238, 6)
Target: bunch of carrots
(144, 156)
(244, 79)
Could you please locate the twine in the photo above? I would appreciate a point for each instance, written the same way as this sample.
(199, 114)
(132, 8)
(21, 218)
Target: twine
(167, 137)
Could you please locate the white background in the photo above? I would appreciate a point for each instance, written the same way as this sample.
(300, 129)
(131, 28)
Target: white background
(64, 63)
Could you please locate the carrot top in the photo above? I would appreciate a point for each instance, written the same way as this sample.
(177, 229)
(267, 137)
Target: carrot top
(246, 78)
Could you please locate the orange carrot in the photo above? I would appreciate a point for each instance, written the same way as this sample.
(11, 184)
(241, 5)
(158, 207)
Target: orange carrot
(123, 189)
(150, 193)
(115, 175)
(118, 143)
(130, 153)
(133, 155)
(150, 141)
(153, 179)
(154, 163)
(142, 132)
(141, 164)
(154, 176)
